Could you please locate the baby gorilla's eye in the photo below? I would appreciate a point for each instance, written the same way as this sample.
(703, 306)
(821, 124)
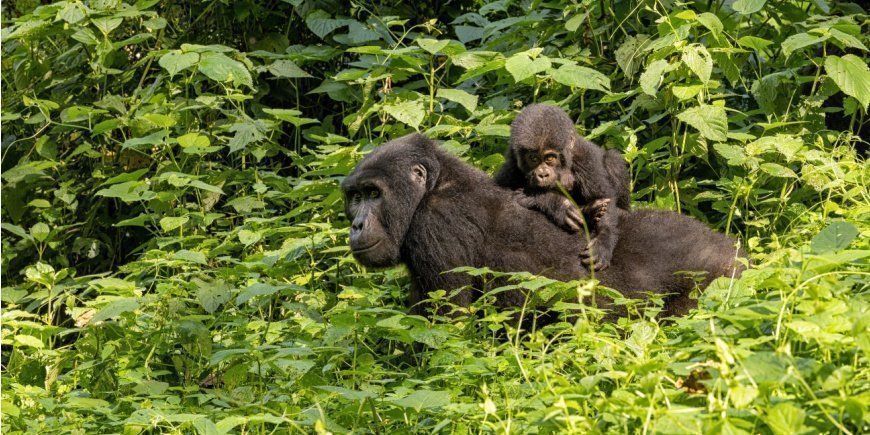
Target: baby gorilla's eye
(374, 194)
(551, 158)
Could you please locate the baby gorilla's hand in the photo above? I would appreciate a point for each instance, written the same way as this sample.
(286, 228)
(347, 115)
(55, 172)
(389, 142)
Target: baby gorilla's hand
(593, 255)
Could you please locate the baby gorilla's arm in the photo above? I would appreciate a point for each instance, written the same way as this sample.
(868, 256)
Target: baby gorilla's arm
(555, 206)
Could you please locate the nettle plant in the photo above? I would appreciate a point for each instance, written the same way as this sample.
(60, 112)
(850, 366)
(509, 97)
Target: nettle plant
(174, 247)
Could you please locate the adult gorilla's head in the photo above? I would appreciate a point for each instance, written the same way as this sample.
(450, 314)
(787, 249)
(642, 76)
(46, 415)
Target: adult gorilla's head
(382, 194)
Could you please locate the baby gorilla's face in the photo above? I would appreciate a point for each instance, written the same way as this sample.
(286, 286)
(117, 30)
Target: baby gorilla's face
(544, 168)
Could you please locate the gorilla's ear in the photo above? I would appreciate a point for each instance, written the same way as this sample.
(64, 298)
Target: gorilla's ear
(426, 172)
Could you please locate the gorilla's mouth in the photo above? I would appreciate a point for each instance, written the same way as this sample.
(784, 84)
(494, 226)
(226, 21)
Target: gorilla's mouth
(367, 248)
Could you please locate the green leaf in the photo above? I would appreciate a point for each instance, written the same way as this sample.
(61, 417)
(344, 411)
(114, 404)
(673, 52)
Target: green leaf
(193, 140)
(581, 77)
(755, 43)
(287, 69)
(254, 290)
(191, 256)
(219, 67)
(653, 77)
(778, 170)
(433, 46)
(786, 419)
(851, 75)
(72, 13)
(424, 399)
(747, 7)
(521, 65)
(468, 101)
(630, 54)
(712, 23)
(711, 121)
(171, 223)
(114, 309)
(698, 59)
(686, 92)
(128, 192)
(800, 40)
(410, 112)
(175, 61)
(211, 295)
(29, 341)
(835, 237)
(40, 231)
(248, 237)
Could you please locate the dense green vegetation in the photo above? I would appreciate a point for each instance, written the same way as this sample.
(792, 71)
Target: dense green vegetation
(174, 249)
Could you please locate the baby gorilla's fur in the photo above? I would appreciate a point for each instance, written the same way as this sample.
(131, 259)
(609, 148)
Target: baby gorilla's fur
(546, 152)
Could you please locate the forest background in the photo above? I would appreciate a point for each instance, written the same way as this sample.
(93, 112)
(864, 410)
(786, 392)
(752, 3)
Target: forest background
(174, 251)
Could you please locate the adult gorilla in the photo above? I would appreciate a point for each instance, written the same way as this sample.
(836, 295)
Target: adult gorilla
(412, 203)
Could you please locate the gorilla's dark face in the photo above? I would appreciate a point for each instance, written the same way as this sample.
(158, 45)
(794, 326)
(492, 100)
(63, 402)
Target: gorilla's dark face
(381, 195)
(542, 141)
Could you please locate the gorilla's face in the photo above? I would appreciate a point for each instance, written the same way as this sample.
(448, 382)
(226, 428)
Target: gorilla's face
(381, 195)
(541, 166)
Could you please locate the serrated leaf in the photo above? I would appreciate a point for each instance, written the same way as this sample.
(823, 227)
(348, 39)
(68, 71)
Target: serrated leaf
(698, 59)
(40, 231)
(191, 256)
(711, 121)
(287, 69)
(176, 61)
(424, 399)
(433, 46)
(468, 101)
(800, 40)
(193, 140)
(778, 170)
(747, 7)
(712, 23)
(29, 341)
(219, 67)
(410, 112)
(786, 419)
(652, 78)
(686, 92)
(851, 75)
(630, 54)
(248, 237)
(521, 66)
(581, 77)
(835, 237)
(755, 43)
(211, 295)
(115, 309)
(171, 223)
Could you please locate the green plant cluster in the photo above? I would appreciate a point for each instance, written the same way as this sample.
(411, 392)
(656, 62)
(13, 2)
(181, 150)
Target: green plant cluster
(174, 248)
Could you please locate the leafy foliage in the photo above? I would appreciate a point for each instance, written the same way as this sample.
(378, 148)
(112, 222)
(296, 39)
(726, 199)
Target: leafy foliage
(174, 252)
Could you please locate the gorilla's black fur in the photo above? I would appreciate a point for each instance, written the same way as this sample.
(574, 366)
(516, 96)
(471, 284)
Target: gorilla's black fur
(546, 150)
(412, 203)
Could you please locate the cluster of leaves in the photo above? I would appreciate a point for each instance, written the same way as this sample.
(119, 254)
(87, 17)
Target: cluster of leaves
(174, 253)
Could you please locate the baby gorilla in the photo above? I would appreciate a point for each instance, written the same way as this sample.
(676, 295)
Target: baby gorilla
(546, 152)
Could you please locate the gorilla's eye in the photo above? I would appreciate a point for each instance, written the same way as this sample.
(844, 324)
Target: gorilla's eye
(550, 158)
(355, 197)
(534, 159)
(374, 194)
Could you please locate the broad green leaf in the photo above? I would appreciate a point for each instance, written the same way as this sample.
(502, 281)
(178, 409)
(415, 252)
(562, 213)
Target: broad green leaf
(699, 61)
(786, 419)
(410, 112)
(847, 39)
(211, 294)
(29, 341)
(171, 223)
(40, 231)
(219, 67)
(291, 116)
(129, 191)
(176, 61)
(322, 24)
(711, 121)
(254, 290)
(835, 237)
(653, 77)
(424, 399)
(468, 101)
(778, 170)
(193, 140)
(433, 46)
(114, 309)
(72, 13)
(287, 69)
(191, 256)
(712, 23)
(248, 237)
(686, 92)
(800, 40)
(629, 55)
(747, 7)
(851, 75)
(581, 77)
(753, 42)
(521, 65)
